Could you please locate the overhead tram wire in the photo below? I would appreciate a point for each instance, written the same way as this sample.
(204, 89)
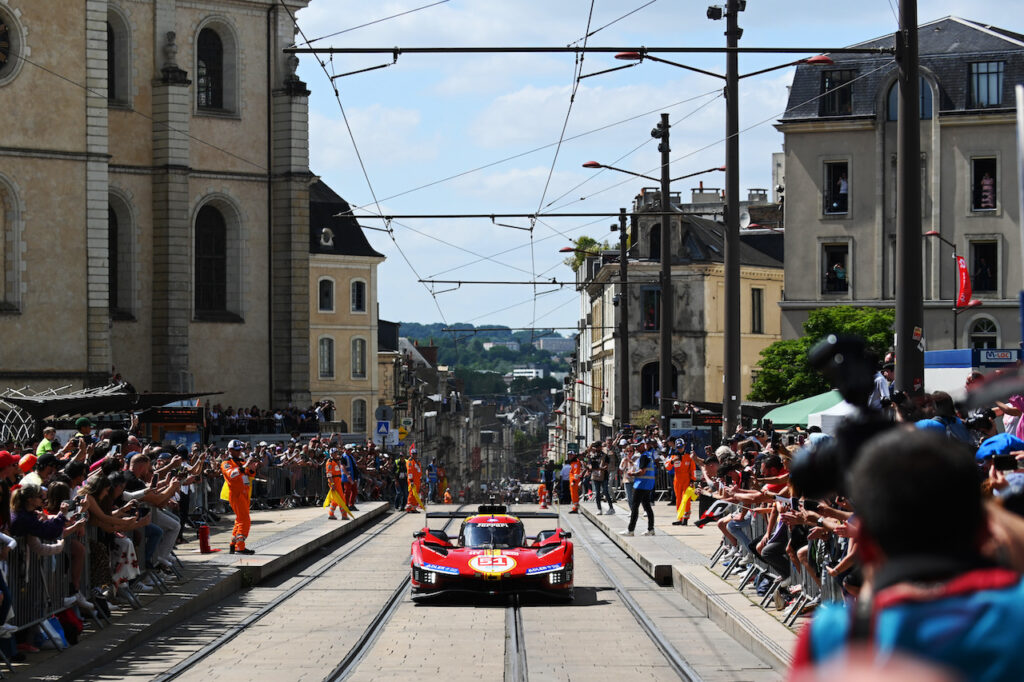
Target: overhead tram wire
(577, 72)
(362, 165)
(375, 21)
(615, 21)
(724, 139)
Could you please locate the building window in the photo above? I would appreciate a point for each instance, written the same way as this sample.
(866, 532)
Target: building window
(111, 64)
(983, 184)
(358, 416)
(359, 296)
(984, 266)
(986, 84)
(11, 230)
(211, 261)
(326, 358)
(325, 295)
(836, 278)
(654, 243)
(650, 306)
(112, 258)
(757, 311)
(984, 334)
(358, 358)
(650, 378)
(893, 104)
(837, 188)
(10, 47)
(837, 93)
(210, 71)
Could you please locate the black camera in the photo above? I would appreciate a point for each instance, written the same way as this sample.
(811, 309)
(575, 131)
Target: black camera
(980, 420)
(820, 468)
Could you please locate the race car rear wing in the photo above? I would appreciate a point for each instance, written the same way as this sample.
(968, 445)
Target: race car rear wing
(463, 514)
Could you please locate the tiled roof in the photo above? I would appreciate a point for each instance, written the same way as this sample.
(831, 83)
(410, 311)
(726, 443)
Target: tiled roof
(348, 238)
(946, 47)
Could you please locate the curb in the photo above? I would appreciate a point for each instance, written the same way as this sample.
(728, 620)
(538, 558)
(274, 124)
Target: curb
(654, 562)
(719, 601)
(231, 579)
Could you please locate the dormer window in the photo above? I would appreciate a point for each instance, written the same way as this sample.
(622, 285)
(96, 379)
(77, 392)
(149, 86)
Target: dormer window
(837, 93)
(986, 84)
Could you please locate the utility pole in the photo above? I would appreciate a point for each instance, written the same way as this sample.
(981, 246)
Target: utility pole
(623, 356)
(731, 351)
(665, 386)
(909, 285)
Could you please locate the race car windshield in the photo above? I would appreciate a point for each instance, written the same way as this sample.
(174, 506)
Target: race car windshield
(493, 536)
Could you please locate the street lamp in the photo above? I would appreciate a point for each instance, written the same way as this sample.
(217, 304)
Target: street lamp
(963, 292)
(732, 333)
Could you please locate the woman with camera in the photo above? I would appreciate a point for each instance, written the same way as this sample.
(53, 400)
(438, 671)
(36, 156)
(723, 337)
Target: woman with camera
(113, 562)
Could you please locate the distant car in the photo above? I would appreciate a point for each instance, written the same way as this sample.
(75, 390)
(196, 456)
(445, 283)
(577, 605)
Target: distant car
(492, 555)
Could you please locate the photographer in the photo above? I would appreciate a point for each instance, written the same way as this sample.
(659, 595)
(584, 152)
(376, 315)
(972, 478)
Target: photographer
(930, 591)
(161, 534)
(945, 420)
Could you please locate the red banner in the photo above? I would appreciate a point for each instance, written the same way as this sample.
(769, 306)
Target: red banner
(964, 290)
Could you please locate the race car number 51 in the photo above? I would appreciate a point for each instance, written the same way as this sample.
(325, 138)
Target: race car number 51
(492, 564)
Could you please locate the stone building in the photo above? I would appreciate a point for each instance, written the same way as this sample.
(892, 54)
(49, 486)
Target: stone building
(698, 278)
(154, 198)
(343, 319)
(840, 182)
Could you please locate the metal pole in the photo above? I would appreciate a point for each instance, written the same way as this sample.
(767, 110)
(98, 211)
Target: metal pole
(623, 357)
(731, 350)
(909, 285)
(955, 316)
(667, 298)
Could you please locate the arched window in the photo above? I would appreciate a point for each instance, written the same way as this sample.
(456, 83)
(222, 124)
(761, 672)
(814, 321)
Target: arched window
(211, 262)
(10, 46)
(325, 295)
(119, 59)
(358, 296)
(984, 334)
(112, 257)
(11, 229)
(120, 258)
(358, 358)
(893, 101)
(326, 358)
(210, 70)
(650, 378)
(358, 416)
(654, 243)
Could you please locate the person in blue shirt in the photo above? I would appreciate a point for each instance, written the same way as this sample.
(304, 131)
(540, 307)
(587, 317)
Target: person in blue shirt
(936, 593)
(432, 480)
(945, 420)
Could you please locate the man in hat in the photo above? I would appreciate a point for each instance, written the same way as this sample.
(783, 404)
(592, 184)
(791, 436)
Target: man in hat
(684, 469)
(83, 427)
(337, 477)
(414, 473)
(45, 467)
(236, 474)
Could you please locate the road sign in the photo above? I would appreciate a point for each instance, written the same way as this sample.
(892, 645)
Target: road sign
(384, 413)
(407, 423)
(403, 433)
(380, 434)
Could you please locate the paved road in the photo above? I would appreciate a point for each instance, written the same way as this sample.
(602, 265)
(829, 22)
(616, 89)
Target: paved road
(595, 638)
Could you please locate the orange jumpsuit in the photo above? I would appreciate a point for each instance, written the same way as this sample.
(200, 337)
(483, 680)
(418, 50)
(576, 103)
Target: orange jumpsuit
(413, 474)
(447, 497)
(336, 477)
(237, 475)
(685, 471)
(542, 495)
(575, 478)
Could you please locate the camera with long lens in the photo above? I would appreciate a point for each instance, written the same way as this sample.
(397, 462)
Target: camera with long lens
(980, 420)
(821, 470)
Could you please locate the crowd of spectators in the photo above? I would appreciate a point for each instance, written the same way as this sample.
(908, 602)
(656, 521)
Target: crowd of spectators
(230, 421)
(912, 507)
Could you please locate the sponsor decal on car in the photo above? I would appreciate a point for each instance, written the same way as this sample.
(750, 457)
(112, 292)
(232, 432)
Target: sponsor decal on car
(544, 569)
(441, 569)
(493, 565)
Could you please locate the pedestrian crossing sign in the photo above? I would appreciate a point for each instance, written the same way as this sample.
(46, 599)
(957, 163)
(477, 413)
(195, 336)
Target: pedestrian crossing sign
(383, 428)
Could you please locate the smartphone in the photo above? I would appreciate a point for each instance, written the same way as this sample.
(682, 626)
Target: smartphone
(1005, 462)
(811, 505)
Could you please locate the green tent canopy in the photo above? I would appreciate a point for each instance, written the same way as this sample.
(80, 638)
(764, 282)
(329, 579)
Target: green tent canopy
(796, 413)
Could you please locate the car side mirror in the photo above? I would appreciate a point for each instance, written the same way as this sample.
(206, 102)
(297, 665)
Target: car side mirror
(566, 534)
(420, 534)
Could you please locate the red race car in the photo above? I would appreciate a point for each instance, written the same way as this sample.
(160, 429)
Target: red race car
(492, 555)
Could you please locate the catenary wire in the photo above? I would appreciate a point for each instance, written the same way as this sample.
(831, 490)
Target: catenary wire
(362, 165)
(375, 21)
(615, 21)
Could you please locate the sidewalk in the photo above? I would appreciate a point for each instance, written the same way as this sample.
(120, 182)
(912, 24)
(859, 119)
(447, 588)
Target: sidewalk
(279, 537)
(679, 556)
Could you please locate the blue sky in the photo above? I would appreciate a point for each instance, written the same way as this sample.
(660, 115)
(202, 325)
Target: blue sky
(433, 116)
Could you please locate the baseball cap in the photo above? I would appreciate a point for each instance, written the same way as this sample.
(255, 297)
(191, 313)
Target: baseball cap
(7, 459)
(83, 421)
(26, 463)
(622, 442)
(47, 459)
(235, 444)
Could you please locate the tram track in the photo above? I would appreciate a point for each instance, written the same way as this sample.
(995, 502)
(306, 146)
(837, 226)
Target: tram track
(515, 643)
(672, 655)
(354, 654)
(370, 634)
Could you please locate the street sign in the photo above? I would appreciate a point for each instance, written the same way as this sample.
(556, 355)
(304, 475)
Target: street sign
(384, 413)
(403, 433)
(407, 423)
(380, 434)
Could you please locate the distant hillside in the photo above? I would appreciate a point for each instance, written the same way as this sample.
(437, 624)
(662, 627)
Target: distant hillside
(466, 353)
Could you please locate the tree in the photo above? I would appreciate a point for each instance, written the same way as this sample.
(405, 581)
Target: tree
(583, 244)
(784, 374)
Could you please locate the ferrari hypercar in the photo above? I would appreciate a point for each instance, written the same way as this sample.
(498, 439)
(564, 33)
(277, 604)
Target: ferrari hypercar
(492, 555)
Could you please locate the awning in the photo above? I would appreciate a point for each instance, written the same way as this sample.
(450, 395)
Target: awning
(796, 413)
(93, 401)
